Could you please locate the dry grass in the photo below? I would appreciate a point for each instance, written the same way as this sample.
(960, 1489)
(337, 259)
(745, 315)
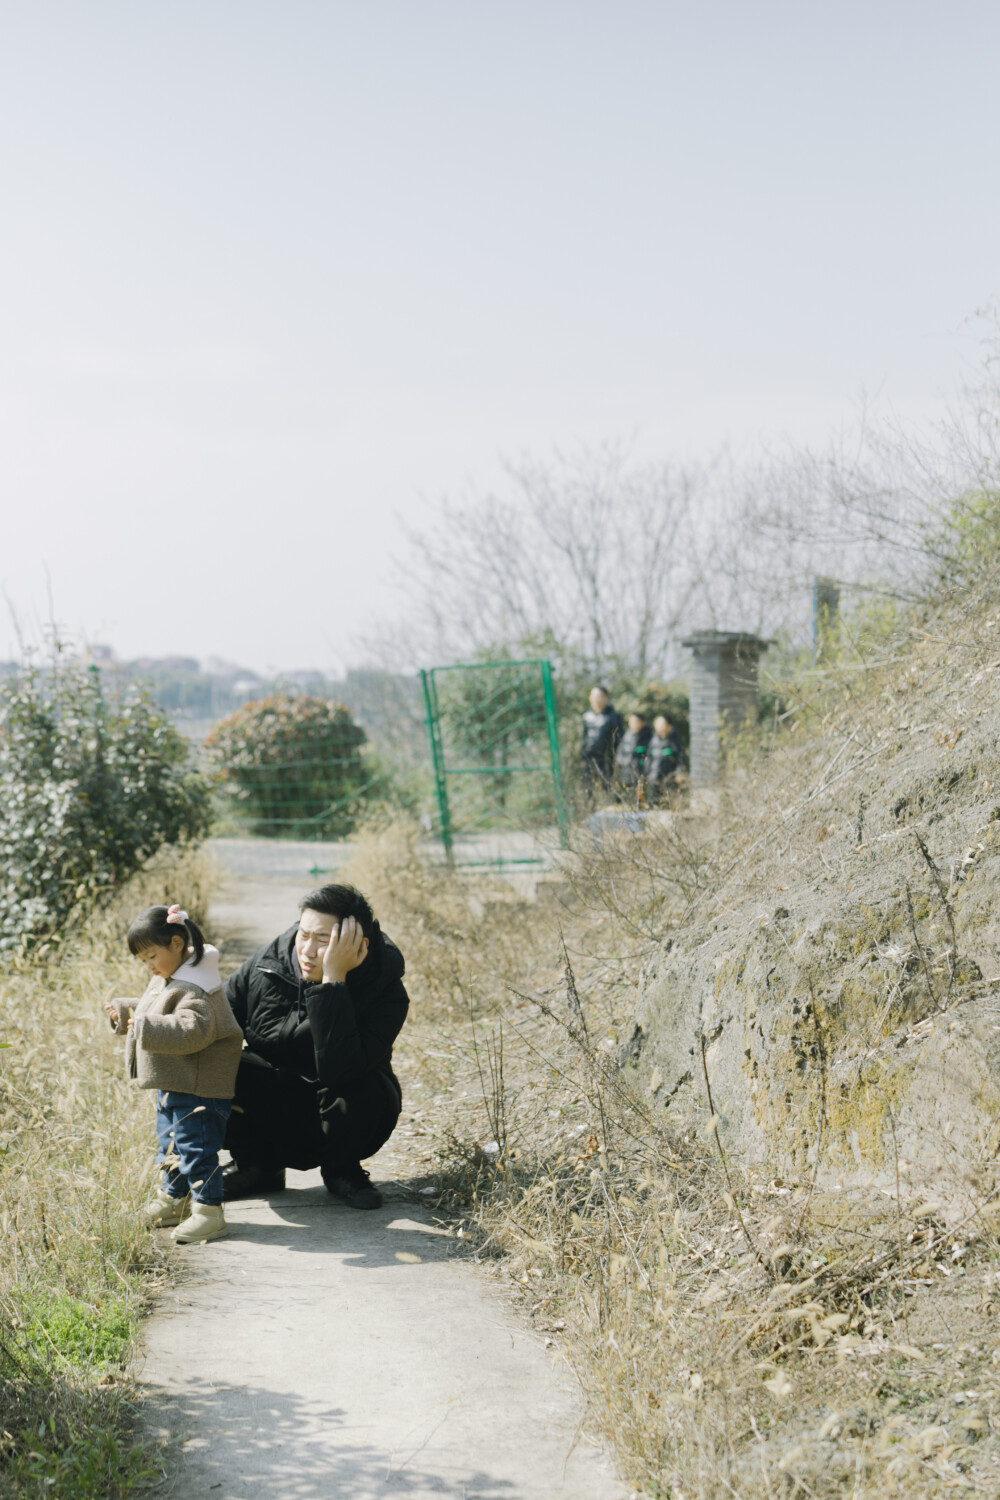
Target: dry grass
(734, 1335)
(463, 938)
(739, 1333)
(76, 1163)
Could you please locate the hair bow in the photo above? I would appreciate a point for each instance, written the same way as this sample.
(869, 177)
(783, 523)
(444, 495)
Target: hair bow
(177, 914)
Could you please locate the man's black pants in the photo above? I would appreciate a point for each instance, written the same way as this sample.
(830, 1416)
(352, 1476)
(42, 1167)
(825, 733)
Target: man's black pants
(598, 777)
(282, 1120)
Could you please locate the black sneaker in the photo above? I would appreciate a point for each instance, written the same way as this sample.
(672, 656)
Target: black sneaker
(251, 1181)
(353, 1186)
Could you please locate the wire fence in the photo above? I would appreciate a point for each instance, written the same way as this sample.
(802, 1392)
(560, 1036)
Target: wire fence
(494, 744)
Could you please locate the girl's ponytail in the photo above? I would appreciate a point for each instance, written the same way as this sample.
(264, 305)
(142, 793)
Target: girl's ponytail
(157, 925)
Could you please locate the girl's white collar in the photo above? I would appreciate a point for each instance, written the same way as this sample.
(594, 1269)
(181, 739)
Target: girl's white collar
(204, 974)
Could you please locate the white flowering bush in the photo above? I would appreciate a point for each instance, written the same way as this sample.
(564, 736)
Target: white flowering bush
(90, 788)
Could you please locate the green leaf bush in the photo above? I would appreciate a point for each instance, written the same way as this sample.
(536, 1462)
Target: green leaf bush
(90, 788)
(292, 765)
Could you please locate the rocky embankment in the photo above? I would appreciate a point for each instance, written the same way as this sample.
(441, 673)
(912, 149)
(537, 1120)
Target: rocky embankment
(840, 973)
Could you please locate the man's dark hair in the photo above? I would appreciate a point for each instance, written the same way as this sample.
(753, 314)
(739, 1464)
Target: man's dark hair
(340, 901)
(602, 689)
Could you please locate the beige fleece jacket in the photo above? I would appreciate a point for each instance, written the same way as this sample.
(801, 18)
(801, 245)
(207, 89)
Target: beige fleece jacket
(185, 1037)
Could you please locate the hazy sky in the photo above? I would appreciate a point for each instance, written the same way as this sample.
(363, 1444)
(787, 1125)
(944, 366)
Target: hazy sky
(274, 274)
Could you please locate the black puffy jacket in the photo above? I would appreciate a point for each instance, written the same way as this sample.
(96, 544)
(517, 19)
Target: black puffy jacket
(600, 735)
(335, 1034)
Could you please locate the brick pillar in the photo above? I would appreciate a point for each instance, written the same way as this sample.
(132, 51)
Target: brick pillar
(723, 693)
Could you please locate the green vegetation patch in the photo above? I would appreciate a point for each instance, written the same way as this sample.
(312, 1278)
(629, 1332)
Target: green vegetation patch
(74, 1457)
(84, 1336)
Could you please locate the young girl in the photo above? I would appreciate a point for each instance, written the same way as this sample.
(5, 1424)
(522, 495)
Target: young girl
(182, 1041)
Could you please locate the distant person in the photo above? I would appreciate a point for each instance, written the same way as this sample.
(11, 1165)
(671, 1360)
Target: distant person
(664, 758)
(630, 759)
(182, 1041)
(602, 730)
(321, 1007)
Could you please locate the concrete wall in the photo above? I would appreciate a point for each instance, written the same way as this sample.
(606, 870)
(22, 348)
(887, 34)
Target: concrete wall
(723, 693)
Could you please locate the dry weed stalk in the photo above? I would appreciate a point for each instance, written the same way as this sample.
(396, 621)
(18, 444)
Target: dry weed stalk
(715, 1367)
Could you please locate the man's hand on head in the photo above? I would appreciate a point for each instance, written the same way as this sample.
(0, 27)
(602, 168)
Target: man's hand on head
(346, 950)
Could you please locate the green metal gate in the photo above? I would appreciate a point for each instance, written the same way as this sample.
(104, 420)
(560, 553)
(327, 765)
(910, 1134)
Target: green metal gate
(494, 745)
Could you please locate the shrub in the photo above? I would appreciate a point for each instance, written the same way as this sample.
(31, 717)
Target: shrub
(293, 765)
(89, 790)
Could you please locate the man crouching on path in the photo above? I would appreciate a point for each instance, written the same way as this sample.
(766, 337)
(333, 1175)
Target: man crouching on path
(320, 1008)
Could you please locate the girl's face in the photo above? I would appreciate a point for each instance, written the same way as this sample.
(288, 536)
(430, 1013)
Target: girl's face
(163, 962)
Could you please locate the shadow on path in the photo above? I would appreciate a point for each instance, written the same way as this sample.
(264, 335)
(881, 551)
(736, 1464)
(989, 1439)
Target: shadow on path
(308, 1222)
(254, 1443)
(323, 1351)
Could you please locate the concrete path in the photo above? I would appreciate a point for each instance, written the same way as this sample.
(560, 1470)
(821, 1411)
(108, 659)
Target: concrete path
(323, 1352)
(262, 881)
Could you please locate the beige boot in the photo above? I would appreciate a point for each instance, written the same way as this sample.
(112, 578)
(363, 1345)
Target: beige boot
(205, 1222)
(163, 1210)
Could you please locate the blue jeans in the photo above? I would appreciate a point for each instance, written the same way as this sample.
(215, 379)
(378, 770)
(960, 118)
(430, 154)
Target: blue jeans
(190, 1131)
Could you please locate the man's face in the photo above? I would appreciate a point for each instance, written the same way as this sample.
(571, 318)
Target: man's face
(313, 936)
(598, 700)
(662, 726)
